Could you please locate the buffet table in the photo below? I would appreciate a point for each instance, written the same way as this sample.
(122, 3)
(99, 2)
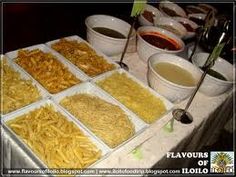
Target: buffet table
(209, 117)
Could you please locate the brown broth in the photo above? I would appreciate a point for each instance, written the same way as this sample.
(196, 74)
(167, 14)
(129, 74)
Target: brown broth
(160, 41)
(148, 16)
(109, 32)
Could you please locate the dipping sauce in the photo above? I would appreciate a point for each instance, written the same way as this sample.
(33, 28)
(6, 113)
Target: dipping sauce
(170, 12)
(175, 74)
(148, 16)
(188, 27)
(109, 32)
(216, 74)
(160, 41)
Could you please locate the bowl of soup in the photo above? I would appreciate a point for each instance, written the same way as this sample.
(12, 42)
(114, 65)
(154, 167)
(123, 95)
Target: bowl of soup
(219, 78)
(153, 39)
(109, 34)
(172, 76)
(149, 14)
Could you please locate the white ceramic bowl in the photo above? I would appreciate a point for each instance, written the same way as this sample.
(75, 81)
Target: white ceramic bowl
(199, 49)
(189, 22)
(108, 45)
(212, 86)
(143, 21)
(145, 49)
(172, 6)
(174, 92)
(164, 22)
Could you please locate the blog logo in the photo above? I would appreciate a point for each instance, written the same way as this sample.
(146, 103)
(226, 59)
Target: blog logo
(222, 162)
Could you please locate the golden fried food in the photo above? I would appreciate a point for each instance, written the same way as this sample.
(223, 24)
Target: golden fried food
(56, 141)
(15, 91)
(109, 122)
(46, 69)
(134, 96)
(84, 57)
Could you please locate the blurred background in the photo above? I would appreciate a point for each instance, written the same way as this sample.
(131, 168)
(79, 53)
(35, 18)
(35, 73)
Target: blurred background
(26, 24)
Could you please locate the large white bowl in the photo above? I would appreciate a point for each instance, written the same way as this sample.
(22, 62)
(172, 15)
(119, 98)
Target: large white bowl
(174, 92)
(145, 50)
(108, 45)
(189, 22)
(170, 5)
(143, 21)
(170, 22)
(212, 86)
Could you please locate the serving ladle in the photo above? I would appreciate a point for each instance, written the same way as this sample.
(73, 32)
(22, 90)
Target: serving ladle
(121, 63)
(183, 115)
(138, 6)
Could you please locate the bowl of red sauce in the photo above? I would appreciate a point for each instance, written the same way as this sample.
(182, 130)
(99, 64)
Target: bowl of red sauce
(153, 40)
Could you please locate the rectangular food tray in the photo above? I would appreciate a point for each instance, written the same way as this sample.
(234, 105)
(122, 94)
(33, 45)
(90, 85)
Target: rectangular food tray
(43, 92)
(71, 68)
(92, 89)
(27, 149)
(79, 39)
(169, 106)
